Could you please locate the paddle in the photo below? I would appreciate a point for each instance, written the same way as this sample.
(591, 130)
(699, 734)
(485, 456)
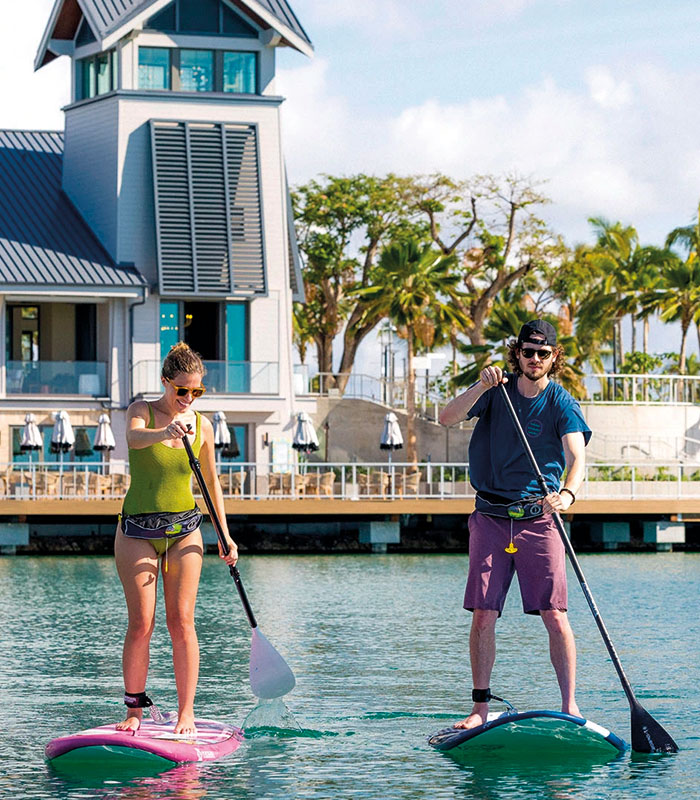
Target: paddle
(648, 736)
(270, 675)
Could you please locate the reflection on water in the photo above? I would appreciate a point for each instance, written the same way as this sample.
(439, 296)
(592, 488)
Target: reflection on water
(379, 648)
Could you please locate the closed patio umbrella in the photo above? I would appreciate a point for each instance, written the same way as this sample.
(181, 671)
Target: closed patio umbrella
(305, 438)
(62, 437)
(31, 436)
(391, 435)
(224, 441)
(104, 438)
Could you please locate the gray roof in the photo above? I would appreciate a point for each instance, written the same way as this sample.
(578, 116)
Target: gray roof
(44, 242)
(107, 16)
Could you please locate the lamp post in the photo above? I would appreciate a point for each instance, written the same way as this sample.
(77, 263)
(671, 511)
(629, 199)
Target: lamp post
(386, 338)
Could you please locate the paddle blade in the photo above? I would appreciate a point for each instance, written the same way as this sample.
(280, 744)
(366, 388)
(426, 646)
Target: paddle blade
(270, 675)
(647, 735)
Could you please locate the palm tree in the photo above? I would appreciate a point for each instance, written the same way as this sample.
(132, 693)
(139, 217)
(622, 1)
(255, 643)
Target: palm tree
(677, 298)
(630, 269)
(413, 287)
(689, 238)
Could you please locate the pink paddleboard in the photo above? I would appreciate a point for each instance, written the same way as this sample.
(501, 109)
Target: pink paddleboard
(151, 743)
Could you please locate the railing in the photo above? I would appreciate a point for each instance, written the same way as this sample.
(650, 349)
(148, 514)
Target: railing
(600, 388)
(57, 377)
(642, 389)
(342, 481)
(223, 377)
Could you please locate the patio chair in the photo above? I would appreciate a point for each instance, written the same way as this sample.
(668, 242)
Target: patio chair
(327, 483)
(46, 482)
(377, 483)
(410, 483)
(232, 483)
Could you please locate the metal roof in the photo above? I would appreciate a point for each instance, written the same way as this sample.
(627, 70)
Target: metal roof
(106, 17)
(44, 242)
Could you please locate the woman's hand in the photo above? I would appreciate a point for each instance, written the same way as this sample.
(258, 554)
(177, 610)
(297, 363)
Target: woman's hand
(232, 556)
(175, 430)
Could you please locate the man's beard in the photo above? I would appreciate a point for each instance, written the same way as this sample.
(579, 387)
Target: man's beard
(547, 368)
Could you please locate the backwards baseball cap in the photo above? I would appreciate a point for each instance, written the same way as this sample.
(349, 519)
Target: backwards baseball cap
(538, 331)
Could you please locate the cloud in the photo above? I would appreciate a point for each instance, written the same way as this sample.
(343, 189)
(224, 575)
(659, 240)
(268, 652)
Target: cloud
(622, 144)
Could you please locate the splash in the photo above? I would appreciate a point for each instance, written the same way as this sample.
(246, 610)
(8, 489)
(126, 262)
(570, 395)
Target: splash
(271, 715)
(272, 718)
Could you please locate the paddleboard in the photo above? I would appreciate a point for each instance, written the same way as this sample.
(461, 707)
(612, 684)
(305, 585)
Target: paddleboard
(152, 743)
(533, 733)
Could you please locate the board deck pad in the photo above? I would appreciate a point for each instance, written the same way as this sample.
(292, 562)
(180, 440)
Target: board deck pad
(150, 743)
(526, 733)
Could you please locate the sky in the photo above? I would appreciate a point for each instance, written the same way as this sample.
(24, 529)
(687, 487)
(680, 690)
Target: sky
(598, 98)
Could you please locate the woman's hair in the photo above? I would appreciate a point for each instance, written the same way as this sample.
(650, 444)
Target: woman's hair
(182, 358)
(557, 350)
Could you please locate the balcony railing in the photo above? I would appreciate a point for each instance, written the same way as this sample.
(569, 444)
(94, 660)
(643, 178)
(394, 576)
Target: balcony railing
(223, 377)
(610, 388)
(343, 481)
(57, 377)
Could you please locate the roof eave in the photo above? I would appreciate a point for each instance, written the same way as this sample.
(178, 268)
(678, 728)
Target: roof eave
(43, 51)
(291, 38)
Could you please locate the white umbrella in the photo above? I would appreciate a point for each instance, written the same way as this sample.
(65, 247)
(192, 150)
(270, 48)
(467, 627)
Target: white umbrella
(104, 438)
(391, 435)
(305, 438)
(62, 438)
(31, 435)
(222, 435)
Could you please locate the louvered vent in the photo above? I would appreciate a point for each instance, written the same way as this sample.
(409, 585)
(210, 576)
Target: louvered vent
(208, 208)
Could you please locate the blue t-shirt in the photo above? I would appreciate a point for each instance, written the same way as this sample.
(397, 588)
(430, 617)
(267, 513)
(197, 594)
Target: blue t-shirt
(498, 463)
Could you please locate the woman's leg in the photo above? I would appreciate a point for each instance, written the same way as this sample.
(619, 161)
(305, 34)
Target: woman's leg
(137, 565)
(180, 584)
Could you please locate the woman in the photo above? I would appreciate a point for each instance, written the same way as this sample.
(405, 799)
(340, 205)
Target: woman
(160, 520)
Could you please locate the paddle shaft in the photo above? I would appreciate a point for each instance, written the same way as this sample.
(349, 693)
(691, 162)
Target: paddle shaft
(197, 469)
(570, 551)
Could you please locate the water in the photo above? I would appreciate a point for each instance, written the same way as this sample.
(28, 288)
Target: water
(378, 645)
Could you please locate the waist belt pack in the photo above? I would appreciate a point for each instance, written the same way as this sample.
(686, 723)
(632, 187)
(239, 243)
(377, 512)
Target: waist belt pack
(526, 508)
(160, 525)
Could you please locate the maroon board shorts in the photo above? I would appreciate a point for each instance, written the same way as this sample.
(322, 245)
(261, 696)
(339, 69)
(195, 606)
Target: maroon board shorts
(540, 563)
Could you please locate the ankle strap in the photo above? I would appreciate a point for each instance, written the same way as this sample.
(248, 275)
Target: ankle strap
(137, 700)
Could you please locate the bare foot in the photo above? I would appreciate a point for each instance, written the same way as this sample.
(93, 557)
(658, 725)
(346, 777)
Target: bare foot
(132, 721)
(185, 723)
(572, 709)
(476, 718)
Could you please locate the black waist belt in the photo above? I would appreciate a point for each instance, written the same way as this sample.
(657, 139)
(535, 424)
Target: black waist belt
(160, 525)
(527, 508)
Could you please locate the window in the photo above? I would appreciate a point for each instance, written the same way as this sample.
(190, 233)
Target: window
(81, 452)
(239, 73)
(201, 17)
(169, 327)
(197, 70)
(154, 68)
(97, 75)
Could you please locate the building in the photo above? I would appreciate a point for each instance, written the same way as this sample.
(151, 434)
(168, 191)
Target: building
(161, 213)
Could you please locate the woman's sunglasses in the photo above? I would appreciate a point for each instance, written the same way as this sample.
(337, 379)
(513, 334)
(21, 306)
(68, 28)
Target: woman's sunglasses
(183, 391)
(529, 352)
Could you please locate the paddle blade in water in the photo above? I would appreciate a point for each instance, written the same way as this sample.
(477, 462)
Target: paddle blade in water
(270, 675)
(647, 735)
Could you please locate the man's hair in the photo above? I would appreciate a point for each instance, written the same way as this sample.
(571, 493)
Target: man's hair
(557, 351)
(182, 359)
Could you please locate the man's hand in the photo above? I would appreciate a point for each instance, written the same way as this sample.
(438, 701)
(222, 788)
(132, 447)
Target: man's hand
(491, 376)
(556, 502)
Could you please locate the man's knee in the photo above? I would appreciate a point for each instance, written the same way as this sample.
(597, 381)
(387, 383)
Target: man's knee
(556, 621)
(484, 619)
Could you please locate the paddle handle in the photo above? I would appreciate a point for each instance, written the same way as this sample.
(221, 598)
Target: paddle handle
(197, 469)
(571, 553)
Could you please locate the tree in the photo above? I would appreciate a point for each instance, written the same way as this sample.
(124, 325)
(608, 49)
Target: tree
(627, 269)
(490, 224)
(677, 298)
(342, 223)
(689, 238)
(414, 284)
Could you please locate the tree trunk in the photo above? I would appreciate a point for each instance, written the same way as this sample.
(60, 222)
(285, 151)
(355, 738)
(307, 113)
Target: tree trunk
(324, 354)
(620, 344)
(411, 450)
(681, 357)
(634, 333)
(645, 336)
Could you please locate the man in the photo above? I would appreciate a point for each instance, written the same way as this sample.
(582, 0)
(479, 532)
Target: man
(512, 528)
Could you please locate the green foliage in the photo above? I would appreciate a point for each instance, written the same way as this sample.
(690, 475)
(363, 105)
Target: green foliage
(640, 363)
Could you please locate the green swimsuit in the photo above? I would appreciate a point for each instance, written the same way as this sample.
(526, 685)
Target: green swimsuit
(161, 479)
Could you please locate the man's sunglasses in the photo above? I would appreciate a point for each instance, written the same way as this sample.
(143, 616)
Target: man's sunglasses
(183, 391)
(529, 352)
